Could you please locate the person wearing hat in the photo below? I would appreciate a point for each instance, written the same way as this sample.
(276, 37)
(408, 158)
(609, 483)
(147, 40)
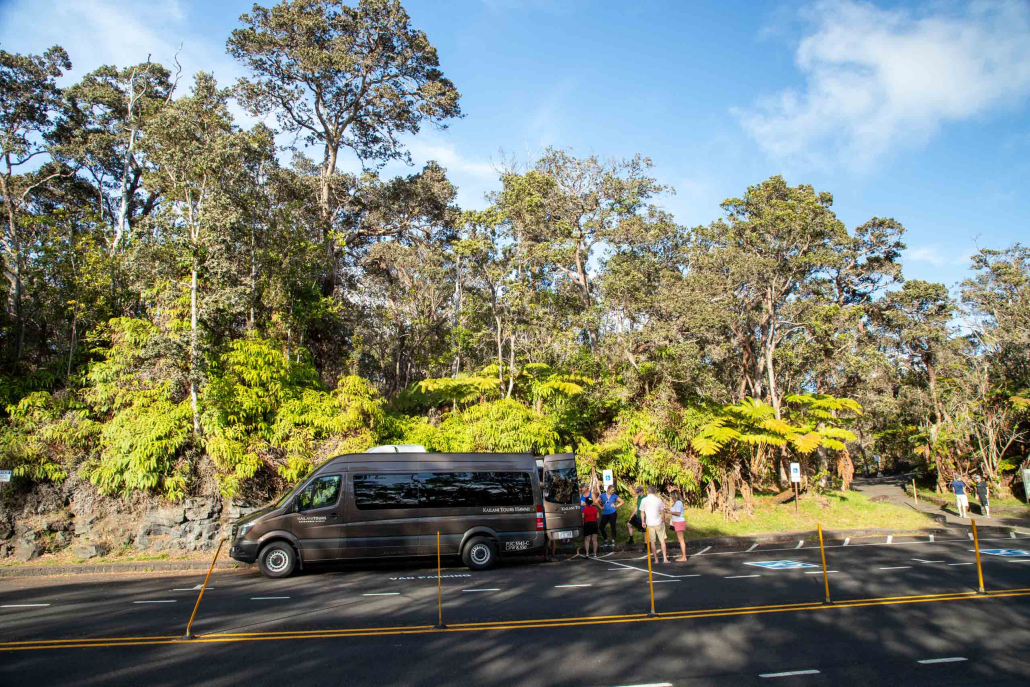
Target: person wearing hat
(983, 495)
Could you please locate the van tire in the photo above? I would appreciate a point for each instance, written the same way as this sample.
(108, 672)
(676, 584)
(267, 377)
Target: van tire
(480, 554)
(278, 559)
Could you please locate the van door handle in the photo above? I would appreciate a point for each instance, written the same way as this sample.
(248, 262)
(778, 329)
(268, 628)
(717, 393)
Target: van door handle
(333, 516)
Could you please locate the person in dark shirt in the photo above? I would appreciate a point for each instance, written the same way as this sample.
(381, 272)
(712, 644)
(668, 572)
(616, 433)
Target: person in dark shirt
(960, 496)
(983, 493)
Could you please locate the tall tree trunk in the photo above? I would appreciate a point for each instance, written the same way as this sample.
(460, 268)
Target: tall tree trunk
(193, 346)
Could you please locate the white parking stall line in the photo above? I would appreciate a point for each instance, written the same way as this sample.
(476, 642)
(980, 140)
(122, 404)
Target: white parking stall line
(605, 555)
(800, 544)
(191, 589)
(633, 567)
(382, 594)
(493, 589)
(846, 540)
(790, 673)
(702, 551)
(1019, 560)
(562, 586)
(922, 561)
(651, 684)
(24, 605)
(970, 534)
(952, 659)
(660, 581)
(820, 572)
(739, 577)
(753, 547)
(959, 563)
(267, 598)
(1012, 535)
(156, 601)
(897, 567)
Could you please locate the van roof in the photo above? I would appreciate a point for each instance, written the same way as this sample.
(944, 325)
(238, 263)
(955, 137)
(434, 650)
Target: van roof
(367, 458)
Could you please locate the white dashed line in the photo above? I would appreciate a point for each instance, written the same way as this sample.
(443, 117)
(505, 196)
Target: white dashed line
(819, 572)
(24, 605)
(953, 659)
(162, 601)
(496, 589)
(897, 567)
(660, 581)
(739, 577)
(562, 586)
(267, 598)
(1019, 560)
(652, 684)
(922, 561)
(192, 589)
(789, 674)
(959, 563)
(383, 594)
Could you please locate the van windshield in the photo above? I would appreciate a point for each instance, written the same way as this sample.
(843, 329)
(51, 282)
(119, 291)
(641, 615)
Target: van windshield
(561, 485)
(290, 492)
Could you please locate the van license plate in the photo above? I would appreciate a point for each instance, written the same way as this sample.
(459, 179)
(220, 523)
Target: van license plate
(562, 534)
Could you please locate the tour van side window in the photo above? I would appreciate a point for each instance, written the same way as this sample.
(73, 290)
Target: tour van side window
(475, 489)
(386, 490)
(322, 492)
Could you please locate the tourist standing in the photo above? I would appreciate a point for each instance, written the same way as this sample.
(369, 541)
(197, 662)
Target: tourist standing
(590, 526)
(961, 500)
(983, 495)
(635, 523)
(610, 503)
(679, 523)
(652, 508)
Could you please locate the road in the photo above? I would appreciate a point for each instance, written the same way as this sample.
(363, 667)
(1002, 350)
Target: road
(723, 620)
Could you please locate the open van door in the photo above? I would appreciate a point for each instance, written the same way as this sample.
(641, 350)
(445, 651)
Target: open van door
(563, 518)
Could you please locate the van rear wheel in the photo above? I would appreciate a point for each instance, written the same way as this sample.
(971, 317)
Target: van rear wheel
(278, 559)
(480, 554)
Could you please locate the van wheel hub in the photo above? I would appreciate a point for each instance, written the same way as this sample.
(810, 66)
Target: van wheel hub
(480, 553)
(277, 561)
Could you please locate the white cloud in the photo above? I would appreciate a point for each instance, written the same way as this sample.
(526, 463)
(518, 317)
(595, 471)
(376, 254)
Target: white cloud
(880, 79)
(934, 254)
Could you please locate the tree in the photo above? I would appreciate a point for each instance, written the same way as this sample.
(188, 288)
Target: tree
(341, 76)
(30, 103)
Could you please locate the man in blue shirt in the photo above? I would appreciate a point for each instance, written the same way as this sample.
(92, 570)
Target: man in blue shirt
(960, 496)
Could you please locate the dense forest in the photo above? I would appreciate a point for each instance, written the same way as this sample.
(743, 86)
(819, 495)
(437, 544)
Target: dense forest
(194, 307)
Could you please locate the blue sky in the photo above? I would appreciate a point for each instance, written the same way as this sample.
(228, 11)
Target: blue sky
(918, 111)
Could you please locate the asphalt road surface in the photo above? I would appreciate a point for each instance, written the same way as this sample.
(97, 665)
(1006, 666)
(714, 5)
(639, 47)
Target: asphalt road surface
(907, 612)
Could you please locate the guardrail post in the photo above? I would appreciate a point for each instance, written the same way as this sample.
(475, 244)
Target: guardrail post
(439, 586)
(976, 547)
(650, 578)
(200, 596)
(826, 576)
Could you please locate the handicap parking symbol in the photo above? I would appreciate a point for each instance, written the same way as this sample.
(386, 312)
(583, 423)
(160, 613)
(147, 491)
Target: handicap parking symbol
(782, 565)
(1006, 553)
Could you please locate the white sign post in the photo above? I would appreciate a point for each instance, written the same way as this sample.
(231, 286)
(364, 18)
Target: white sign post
(795, 479)
(609, 478)
(1026, 484)
(5, 476)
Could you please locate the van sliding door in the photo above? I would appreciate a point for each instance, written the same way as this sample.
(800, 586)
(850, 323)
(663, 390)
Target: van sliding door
(563, 518)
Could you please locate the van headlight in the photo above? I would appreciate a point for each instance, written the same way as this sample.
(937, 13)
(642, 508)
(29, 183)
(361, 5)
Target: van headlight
(242, 532)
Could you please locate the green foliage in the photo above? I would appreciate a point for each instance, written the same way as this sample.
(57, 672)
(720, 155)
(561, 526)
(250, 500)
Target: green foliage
(45, 437)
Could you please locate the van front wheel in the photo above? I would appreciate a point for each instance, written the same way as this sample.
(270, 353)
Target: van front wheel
(480, 554)
(278, 559)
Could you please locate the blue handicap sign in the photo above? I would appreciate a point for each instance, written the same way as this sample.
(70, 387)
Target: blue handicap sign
(1007, 553)
(782, 565)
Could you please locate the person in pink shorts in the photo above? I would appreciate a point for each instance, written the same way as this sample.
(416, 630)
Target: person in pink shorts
(679, 523)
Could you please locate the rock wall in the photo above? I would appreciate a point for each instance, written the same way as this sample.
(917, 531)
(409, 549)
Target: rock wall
(92, 526)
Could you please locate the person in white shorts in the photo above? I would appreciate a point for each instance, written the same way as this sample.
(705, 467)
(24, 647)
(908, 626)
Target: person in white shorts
(961, 500)
(652, 508)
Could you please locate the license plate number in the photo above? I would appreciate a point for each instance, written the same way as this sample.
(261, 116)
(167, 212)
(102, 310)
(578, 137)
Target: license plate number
(562, 534)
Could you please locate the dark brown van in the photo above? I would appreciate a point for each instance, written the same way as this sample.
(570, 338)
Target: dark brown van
(392, 501)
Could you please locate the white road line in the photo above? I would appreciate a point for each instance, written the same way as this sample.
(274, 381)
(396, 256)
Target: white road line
(162, 601)
(660, 581)
(651, 684)
(642, 558)
(267, 598)
(562, 586)
(493, 589)
(739, 577)
(1012, 535)
(383, 594)
(697, 575)
(622, 569)
(922, 561)
(192, 589)
(819, 572)
(633, 567)
(605, 555)
(897, 567)
(846, 540)
(1019, 560)
(24, 605)
(702, 551)
(753, 547)
(953, 659)
(790, 673)
(970, 534)
(959, 563)
(800, 544)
